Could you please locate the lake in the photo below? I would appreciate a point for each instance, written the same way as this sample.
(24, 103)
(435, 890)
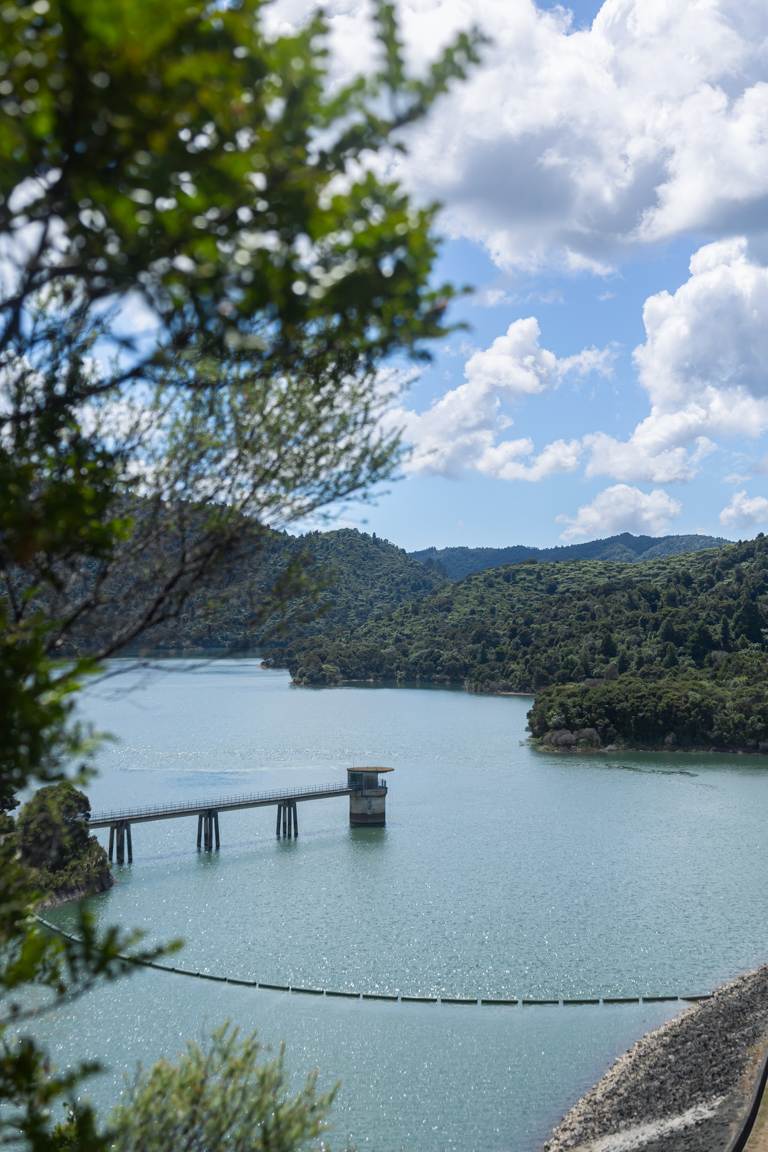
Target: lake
(502, 872)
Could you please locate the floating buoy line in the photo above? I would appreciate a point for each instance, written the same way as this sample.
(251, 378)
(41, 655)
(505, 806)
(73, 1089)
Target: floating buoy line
(487, 1001)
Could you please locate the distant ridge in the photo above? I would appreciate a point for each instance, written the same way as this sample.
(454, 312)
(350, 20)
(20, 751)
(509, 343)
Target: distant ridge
(456, 563)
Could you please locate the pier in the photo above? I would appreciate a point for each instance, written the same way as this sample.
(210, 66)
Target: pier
(367, 793)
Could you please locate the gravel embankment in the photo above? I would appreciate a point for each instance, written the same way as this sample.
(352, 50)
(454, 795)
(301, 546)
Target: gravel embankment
(685, 1087)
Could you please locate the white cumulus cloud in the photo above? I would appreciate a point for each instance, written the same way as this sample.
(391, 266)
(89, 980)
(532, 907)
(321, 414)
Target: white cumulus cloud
(622, 508)
(464, 428)
(568, 145)
(517, 459)
(710, 335)
(745, 511)
(704, 366)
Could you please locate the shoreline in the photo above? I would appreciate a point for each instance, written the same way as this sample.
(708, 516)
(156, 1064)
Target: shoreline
(537, 743)
(91, 878)
(457, 686)
(78, 892)
(656, 750)
(684, 1087)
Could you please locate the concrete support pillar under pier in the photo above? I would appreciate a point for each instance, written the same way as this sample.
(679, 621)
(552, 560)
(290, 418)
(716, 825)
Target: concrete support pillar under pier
(287, 822)
(208, 831)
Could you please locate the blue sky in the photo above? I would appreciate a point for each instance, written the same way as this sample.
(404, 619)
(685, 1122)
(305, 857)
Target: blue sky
(583, 11)
(604, 176)
(471, 509)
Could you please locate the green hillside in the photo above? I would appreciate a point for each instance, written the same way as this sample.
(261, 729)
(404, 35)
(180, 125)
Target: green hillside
(458, 563)
(343, 577)
(360, 578)
(693, 619)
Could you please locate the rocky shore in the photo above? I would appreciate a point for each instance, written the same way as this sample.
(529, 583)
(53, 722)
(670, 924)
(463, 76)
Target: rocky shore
(685, 1087)
(564, 740)
(588, 740)
(93, 886)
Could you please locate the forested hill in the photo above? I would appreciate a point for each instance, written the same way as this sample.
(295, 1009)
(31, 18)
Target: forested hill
(527, 625)
(350, 576)
(361, 578)
(457, 563)
(677, 628)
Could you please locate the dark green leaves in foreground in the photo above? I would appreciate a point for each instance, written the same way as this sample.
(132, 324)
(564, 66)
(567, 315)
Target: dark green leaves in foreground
(201, 278)
(226, 1095)
(189, 157)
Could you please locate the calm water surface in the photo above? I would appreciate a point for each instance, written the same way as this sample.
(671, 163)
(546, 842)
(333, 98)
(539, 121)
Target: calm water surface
(502, 872)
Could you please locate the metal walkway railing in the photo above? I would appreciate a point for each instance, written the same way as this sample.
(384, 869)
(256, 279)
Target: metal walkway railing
(217, 804)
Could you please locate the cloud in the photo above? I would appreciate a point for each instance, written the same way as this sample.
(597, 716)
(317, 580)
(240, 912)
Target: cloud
(515, 362)
(569, 146)
(622, 509)
(516, 460)
(710, 335)
(463, 428)
(703, 365)
(644, 457)
(745, 511)
(494, 298)
(572, 148)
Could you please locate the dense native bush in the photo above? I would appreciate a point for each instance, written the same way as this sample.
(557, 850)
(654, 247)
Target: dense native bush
(54, 845)
(673, 650)
(52, 827)
(695, 709)
(526, 626)
(457, 563)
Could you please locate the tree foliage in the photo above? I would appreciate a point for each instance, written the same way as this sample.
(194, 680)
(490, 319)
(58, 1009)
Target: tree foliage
(52, 827)
(204, 276)
(725, 707)
(677, 646)
(226, 1095)
(201, 277)
(626, 548)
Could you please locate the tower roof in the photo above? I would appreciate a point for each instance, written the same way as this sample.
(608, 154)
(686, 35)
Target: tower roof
(376, 770)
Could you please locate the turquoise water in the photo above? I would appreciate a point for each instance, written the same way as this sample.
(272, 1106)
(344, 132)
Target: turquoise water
(501, 872)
